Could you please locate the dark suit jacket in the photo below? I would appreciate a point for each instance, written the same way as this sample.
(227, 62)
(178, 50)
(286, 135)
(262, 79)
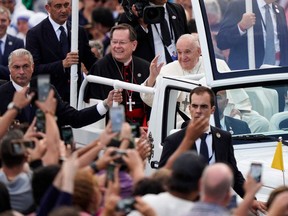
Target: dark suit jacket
(230, 38)
(66, 114)
(236, 125)
(12, 43)
(145, 48)
(43, 44)
(224, 152)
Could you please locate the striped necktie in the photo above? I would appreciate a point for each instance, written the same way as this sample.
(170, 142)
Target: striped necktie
(269, 57)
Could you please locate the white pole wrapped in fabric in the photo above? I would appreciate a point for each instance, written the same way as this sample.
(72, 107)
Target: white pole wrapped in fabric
(74, 48)
(250, 38)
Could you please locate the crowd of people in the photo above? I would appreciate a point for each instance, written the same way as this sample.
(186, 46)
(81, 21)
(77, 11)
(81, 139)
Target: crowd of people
(41, 173)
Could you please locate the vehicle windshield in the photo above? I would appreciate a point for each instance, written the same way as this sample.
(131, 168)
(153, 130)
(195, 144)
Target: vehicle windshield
(241, 34)
(261, 110)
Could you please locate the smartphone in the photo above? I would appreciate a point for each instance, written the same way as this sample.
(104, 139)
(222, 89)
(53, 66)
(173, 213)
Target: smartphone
(117, 117)
(110, 173)
(29, 144)
(125, 205)
(256, 171)
(119, 153)
(67, 135)
(17, 148)
(135, 129)
(43, 86)
(40, 121)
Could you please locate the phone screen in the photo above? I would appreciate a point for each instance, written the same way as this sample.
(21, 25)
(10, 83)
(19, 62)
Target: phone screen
(256, 171)
(135, 129)
(67, 135)
(29, 144)
(43, 86)
(117, 117)
(17, 148)
(40, 121)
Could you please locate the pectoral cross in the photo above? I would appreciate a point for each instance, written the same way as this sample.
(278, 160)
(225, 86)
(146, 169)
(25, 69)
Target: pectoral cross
(130, 103)
(185, 103)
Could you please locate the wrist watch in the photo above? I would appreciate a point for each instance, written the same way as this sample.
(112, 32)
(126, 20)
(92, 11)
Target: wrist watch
(11, 105)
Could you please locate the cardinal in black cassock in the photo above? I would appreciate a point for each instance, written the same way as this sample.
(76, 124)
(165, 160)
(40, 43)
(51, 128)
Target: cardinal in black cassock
(136, 72)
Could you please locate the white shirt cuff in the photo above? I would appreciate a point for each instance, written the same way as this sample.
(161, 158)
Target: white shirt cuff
(101, 108)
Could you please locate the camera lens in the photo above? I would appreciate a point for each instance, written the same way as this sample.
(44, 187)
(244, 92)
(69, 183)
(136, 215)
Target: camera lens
(152, 13)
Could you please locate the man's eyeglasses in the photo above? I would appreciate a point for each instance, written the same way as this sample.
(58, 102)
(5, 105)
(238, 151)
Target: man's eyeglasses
(121, 43)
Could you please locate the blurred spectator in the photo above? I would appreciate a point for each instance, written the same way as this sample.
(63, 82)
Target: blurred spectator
(215, 191)
(36, 18)
(277, 202)
(65, 210)
(8, 43)
(13, 174)
(102, 22)
(114, 6)
(97, 48)
(15, 7)
(42, 179)
(85, 17)
(86, 196)
(183, 188)
(23, 25)
(148, 185)
(276, 192)
(5, 203)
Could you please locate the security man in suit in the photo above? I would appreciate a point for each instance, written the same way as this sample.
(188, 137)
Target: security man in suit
(267, 17)
(214, 144)
(49, 43)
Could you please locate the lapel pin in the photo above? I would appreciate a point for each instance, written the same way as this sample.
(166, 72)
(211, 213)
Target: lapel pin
(276, 9)
(218, 135)
(231, 131)
(139, 74)
(173, 17)
(10, 43)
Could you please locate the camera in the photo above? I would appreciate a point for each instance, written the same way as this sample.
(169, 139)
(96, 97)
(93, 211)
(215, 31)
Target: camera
(150, 14)
(125, 205)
